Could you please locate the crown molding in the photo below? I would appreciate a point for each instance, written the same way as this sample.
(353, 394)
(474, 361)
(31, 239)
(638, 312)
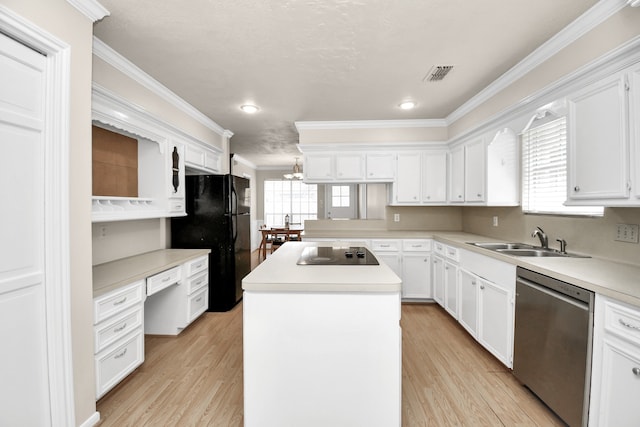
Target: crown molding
(238, 158)
(616, 60)
(370, 124)
(90, 8)
(582, 25)
(113, 58)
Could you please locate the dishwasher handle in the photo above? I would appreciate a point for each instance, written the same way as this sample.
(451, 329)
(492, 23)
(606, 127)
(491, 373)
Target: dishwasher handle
(552, 293)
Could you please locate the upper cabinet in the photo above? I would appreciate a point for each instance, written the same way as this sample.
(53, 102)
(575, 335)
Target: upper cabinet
(603, 135)
(139, 162)
(486, 174)
(353, 166)
(421, 178)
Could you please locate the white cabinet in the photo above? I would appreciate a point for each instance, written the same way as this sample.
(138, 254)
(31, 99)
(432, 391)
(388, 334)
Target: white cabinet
(615, 380)
(468, 315)
(357, 166)
(451, 287)
(416, 269)
(118, 335)
(388, 251)
(407, 183)
(495, 319)
(486, 174)
(349, 167)
(474, 171)
(456, 175)
(176, 297)
(437, 277)
(421, 178)
(380, 167)
(161, 148)
(598, 141)
(489, 283)
(318, 167)
(634, 114)
(434, 177)
(202, 158)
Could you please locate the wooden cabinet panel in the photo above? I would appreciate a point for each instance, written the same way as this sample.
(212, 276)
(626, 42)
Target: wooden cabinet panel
(115, 163)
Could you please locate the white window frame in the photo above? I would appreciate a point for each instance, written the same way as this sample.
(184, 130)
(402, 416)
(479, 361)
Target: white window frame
(544, 167)
(299, 205)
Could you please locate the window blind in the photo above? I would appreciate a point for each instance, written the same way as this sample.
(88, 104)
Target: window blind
(544, 171)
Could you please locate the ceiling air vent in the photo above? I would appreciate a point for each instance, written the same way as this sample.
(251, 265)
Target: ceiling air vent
(437, 73)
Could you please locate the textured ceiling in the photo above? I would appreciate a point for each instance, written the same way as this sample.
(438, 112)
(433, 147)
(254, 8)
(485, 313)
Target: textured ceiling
(306, 60)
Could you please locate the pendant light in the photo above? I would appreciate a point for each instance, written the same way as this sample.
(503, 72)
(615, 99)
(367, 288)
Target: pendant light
(297, 172)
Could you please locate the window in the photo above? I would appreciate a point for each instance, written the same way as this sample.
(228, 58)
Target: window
(544, 170)
(293, 198)
(340, 197)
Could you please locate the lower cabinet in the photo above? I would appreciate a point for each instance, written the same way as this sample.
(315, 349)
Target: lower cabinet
(118, 335)
(615, 381)
(170, 311)
(451, 287)
(438, 278)
(495, 319)
(468, 314)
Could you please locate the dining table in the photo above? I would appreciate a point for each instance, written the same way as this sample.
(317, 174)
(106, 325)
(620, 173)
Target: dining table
(274, 232)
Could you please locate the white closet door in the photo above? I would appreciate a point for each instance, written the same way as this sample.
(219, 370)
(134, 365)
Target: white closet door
(24, 389)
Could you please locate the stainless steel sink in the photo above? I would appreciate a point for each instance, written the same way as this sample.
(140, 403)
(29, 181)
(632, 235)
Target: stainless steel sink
(502, 246)
(532, 252)
(523, 249)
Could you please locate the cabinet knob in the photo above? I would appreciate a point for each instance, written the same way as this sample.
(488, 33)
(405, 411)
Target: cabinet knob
(459, 196)
(636, 371)
(479, 195)
(481, 286)
(576, 188)
(428, 197)
(473, 282)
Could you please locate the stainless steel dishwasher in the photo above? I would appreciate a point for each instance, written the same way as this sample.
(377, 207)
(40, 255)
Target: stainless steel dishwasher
(552, 345)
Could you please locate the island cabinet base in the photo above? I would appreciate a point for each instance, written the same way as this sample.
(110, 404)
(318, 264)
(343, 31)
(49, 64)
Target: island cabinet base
(322, 359)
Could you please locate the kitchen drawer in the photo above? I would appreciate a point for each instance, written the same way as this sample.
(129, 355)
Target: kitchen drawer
(439, 248)
(111, 330)
(622, 320)
(197, 304)
(176, 205)
(452, 253)
(196, 266)
(163, 280)
(117, 301)
(416, 245)
(196, 282)
(118, 360)
(385, 245)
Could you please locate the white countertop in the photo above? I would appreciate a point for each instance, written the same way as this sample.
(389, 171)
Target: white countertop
(280, 272)
(113, 274)
(617, 280)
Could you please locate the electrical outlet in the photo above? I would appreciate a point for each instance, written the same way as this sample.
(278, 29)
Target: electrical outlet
(396, 217)
(103, 232)
(627, 233)
(495, 221)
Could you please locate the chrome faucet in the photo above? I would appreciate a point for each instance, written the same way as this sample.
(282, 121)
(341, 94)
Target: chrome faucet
(544, 240)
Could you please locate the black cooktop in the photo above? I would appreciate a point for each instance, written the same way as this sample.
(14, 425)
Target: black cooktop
(328, 255)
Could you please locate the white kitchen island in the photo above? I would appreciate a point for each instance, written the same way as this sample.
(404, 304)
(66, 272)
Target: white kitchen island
(322, 344)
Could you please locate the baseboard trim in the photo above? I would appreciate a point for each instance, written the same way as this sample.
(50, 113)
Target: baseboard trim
(92, 420)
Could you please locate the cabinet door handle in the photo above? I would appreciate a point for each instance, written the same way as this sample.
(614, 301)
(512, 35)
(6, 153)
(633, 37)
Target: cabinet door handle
(120, 328)
(636, 371)
(118, 356)
(122, 301)
(629, 325)
(166, 279)
(576, 188)
(199, 299)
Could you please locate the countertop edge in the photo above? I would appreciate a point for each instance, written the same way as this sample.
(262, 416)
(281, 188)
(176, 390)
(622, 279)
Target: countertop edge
(112, 275)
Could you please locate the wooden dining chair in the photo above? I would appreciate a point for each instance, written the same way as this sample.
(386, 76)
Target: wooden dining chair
(278, 237)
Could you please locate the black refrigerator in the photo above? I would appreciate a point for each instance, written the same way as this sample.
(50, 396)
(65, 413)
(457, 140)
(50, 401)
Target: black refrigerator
(218, 218)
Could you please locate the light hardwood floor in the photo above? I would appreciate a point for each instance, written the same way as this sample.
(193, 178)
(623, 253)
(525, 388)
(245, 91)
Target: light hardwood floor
(195, 379)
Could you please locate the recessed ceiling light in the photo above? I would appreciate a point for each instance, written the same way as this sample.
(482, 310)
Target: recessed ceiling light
(249, 109)
(407, 105)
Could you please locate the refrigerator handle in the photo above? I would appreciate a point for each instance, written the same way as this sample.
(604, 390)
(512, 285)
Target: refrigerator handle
(234, 213)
